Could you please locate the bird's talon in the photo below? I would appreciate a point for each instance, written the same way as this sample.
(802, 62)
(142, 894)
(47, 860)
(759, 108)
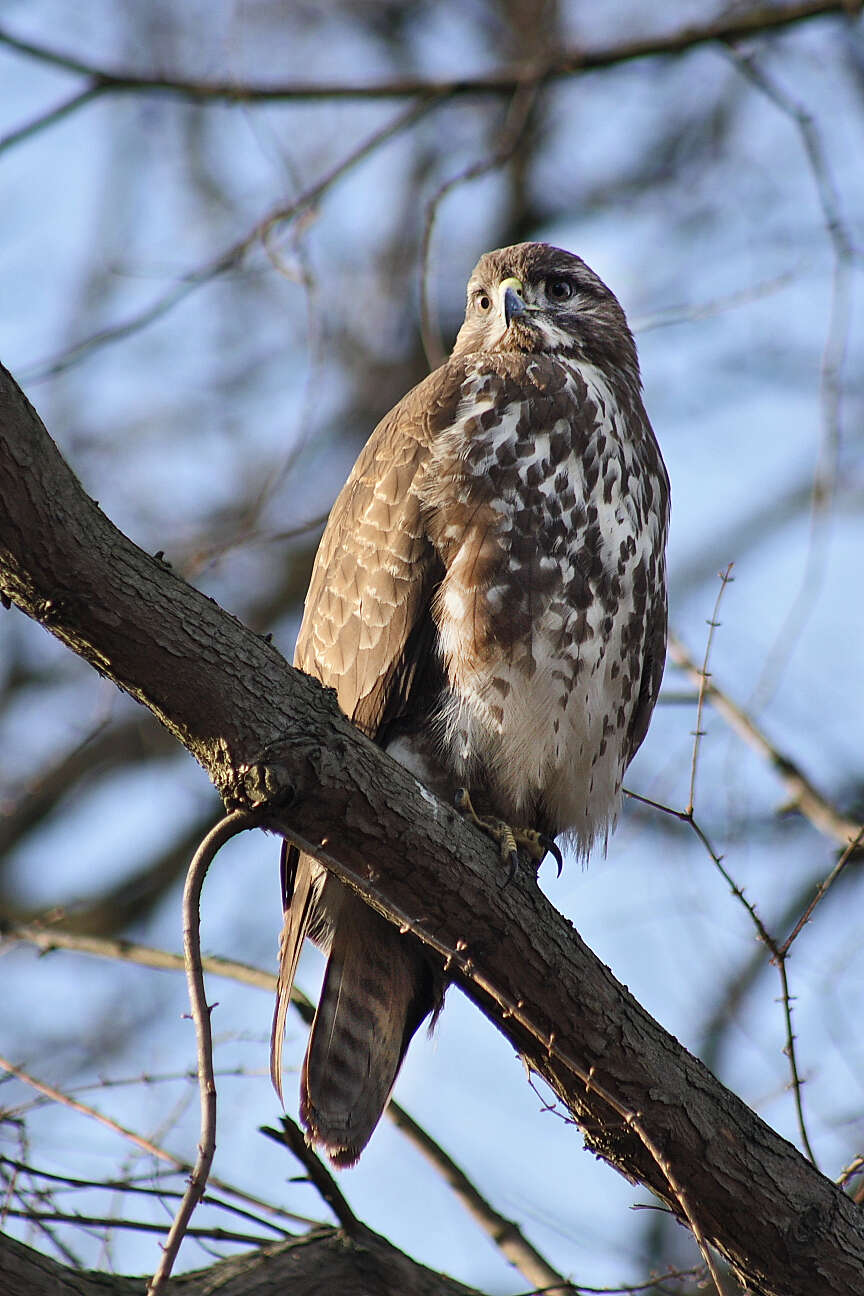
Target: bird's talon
(510, 840)
(509, 845)
(512, 866)
(533, 843)
(553, 850)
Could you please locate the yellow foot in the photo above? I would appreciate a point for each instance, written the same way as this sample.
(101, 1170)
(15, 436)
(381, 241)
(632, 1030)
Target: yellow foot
(535, 844)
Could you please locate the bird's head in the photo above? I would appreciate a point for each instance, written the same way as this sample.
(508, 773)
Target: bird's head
(535, 298)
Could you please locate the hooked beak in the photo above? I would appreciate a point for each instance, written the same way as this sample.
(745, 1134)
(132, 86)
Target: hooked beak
(512, 300)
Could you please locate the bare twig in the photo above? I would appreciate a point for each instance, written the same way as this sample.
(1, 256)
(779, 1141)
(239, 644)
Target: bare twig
(232, 824)
(140, 1226)
(789, 1050)
(776, 950)
(729, 27)
(159, 958)
(505, 1233)
(230, 256)
(246, 529)
(849, 1172)
(58, 1096)
(714, 306)
(803, 796)
(687, 817)
(51, 937)
(804, 121)
(28, 801)
(42, 1226)
(247, 535)
(822, 890)
(795, 913)
(656, 1285)
(49, 118)
(128, 1185)
(319, 1176)
(725, 578)
(146, 1145)
(141, 1078)
(831, 371)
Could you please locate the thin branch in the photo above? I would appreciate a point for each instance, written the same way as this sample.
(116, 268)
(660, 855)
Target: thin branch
(831, 371)
(245, 537)
(51, 938)
(791, 1054)
(50, 118)
(631, 1289)
(32, 800)
(795, 913)
(777, 952)
(714, 306)
(822, 890)
(245, 529)
(142, 1079)
(230, 256)
(41, 1226)
(823, 487)
(146, 1145)
(141, 1190)
(803, 796)
(725, 579)
(762, 19)
(228, 827)
(292, 1137)
(504, 1232)
(140, 1226)
(849, 1172)
(57, 1095)
(829, 199)
(687, 817)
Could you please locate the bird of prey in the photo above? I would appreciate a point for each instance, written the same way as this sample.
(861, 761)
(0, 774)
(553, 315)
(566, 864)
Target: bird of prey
(489, 603)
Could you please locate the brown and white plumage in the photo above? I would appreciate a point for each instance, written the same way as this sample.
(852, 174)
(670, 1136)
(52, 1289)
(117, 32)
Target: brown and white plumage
(489, 603)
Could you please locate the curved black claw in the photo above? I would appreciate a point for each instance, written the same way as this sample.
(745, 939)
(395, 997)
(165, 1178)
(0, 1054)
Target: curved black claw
(536, 845)
(552, 849)
(512, 866)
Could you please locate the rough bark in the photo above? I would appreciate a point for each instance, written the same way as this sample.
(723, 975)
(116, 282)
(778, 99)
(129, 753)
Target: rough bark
(261, 730)
(327, 1261)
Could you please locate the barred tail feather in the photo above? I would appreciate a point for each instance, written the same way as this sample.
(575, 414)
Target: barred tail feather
(299, 894)
(378, 988)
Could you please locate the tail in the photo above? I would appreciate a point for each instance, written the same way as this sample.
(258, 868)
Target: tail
(378, 988)
(302, 883)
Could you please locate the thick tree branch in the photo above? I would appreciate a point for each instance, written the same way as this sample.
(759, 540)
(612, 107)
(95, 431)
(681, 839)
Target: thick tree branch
(266, 733)
(323, 1261)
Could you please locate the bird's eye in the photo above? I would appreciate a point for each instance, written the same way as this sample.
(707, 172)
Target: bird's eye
(559, 290)
(484, 302)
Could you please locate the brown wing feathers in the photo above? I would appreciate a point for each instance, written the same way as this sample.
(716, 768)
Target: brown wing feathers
(368, 633)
